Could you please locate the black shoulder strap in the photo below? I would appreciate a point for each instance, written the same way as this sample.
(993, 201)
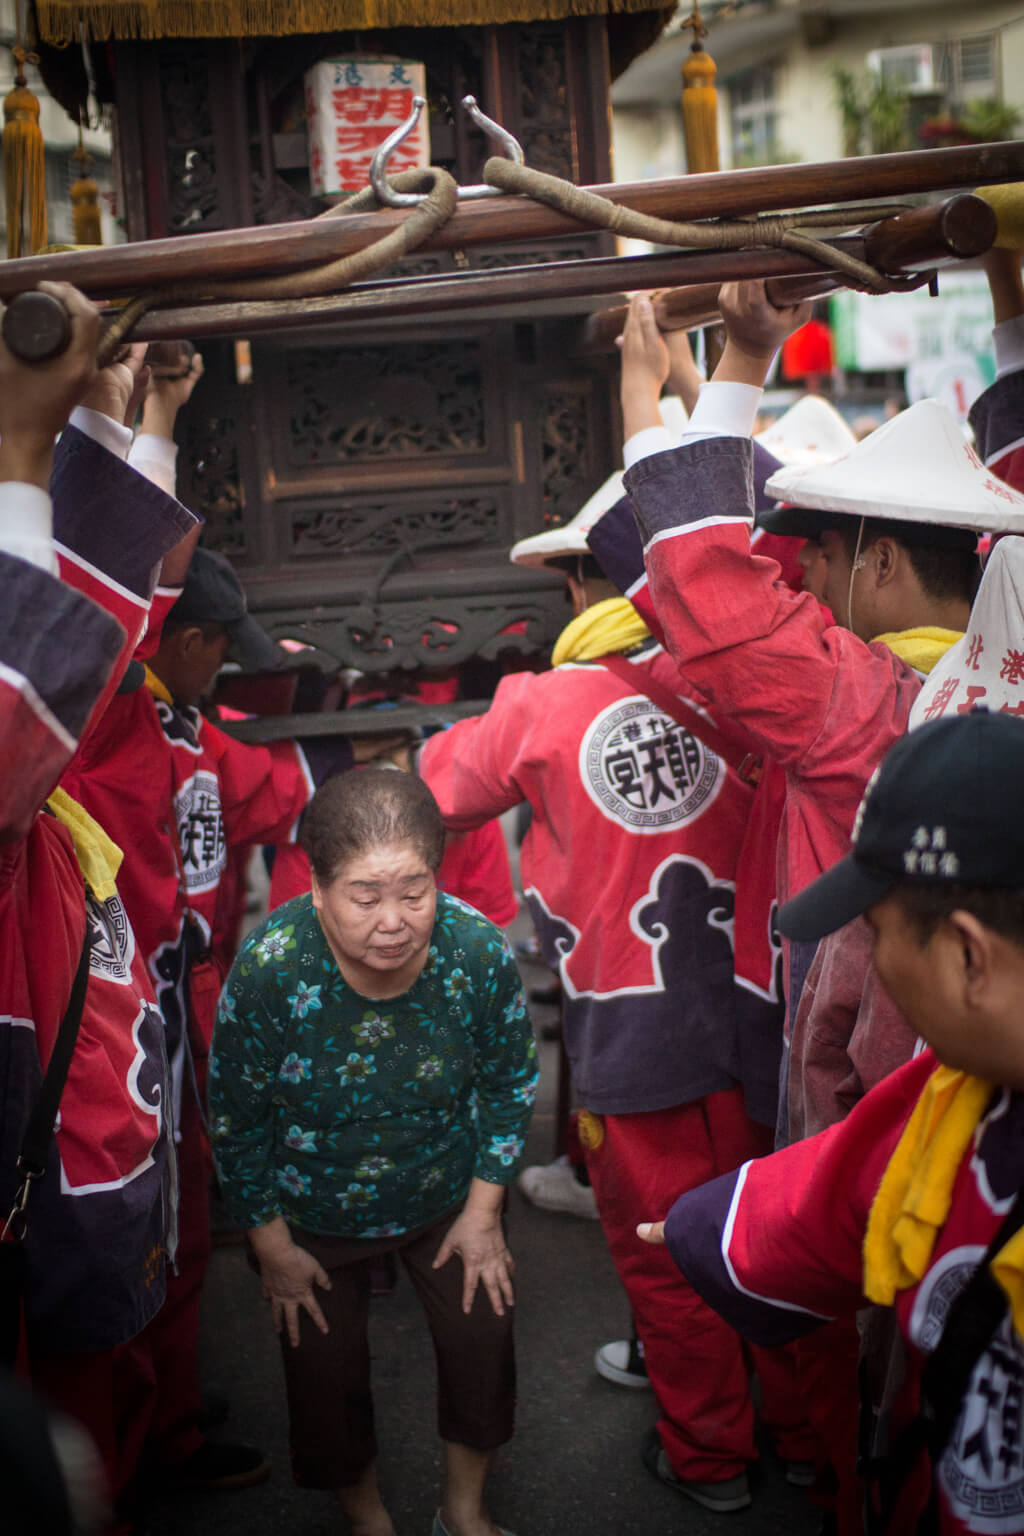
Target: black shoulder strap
(35, 1143)
(972, 1320)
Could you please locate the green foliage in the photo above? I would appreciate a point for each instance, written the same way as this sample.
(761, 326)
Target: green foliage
(872, 110)
(851, 108)
(989, 120)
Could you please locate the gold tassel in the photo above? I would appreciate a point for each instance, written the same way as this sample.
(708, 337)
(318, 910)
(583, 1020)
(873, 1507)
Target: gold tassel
(85, 200)
(700, 109)
(24, 164)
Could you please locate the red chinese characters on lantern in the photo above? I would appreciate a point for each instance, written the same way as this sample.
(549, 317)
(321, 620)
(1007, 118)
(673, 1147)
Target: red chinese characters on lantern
(353, 105)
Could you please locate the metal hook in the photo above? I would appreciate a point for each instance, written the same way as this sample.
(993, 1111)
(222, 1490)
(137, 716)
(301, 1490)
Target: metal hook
(383, 189)
(505, 142)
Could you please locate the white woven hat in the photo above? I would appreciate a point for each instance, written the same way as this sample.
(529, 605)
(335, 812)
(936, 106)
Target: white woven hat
(914, 469)
(810, 432)
(571, 537)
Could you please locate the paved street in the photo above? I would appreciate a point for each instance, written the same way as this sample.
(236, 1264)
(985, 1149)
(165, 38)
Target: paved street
(573, 1468)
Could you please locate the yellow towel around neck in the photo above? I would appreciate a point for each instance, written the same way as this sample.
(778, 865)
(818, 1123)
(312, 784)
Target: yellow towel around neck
(923, 647)
(913, 1200)
(157, 688)
(99, 857)
(608, 627)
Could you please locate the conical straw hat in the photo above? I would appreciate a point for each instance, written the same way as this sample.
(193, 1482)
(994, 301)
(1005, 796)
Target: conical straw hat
(571, 538)
(810, 432)
(914, 469)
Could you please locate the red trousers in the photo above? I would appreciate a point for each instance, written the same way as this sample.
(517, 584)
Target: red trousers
(165, 1353)
(639, 1165)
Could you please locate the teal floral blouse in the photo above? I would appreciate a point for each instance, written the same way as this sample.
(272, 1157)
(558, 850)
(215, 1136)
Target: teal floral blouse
(362, 1118)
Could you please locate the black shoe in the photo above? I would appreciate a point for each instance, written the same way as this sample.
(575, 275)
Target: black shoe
(217, 1465)
(723, 1497)
(215, 1411)
(549, 996)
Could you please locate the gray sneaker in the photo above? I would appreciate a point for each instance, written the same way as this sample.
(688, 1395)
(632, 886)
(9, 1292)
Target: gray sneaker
(723, 1498)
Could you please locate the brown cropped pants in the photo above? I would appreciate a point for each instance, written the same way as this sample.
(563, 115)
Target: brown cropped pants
(327, 1378)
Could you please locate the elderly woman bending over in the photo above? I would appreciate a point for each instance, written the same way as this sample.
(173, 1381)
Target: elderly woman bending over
(371, 1082)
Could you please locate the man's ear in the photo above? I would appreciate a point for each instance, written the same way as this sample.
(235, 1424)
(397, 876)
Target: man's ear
(976, 949)
(888, 555)
(315, 891)
(190, 640)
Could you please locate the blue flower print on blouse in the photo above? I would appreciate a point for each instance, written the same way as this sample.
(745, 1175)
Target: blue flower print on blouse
(227, 1007)
(373, 1167)
(293, 1181)
(457, 983)
(302, 1141)
(507, 1149)
(255, 1077)
(356, 1068)
(295, 1067)
(304, 999)
(357, 1195)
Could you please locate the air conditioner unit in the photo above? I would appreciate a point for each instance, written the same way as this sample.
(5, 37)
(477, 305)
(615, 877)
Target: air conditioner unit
(910, 66)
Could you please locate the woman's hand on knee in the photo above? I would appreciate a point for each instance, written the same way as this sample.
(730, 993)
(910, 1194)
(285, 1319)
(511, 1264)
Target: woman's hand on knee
(479, 1241)
(288, 1275)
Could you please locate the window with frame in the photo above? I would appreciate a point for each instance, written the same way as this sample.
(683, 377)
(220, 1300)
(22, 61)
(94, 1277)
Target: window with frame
(753, 117)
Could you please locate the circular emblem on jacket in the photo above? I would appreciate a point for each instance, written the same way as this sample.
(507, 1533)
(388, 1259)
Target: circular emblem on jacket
(644, 770)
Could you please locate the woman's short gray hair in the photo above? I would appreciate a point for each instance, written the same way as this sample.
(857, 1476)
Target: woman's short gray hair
(362, 810)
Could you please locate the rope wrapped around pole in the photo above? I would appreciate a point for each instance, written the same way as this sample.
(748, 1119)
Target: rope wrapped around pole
(719, 235)
(435, 210)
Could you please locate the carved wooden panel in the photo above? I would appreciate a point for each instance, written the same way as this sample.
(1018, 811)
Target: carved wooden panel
(212, 434)
(345, 527)
(545, 125)
(329, 407)
(191, 149)
(369, 489)
(424, 633)
(566, 456)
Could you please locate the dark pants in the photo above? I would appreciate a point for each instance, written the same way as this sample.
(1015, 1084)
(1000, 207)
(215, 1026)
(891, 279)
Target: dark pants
(327, 1378)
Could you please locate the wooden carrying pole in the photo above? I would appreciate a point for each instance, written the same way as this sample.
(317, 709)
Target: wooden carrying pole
(923, 239)
(117, 271)
(916, 241)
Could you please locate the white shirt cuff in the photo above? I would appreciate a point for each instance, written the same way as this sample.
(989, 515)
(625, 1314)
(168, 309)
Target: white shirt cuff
(642, 444)
(1009, 339)
(26, 525)
(156, 458)
(723, 409)
(103, 430)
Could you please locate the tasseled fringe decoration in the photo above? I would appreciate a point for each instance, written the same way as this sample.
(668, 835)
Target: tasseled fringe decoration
(60, 21)
(85, 200)
(24, 165)
(700, 110)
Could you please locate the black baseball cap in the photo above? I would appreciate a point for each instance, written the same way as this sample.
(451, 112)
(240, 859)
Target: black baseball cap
(943, 808)
(213, 594)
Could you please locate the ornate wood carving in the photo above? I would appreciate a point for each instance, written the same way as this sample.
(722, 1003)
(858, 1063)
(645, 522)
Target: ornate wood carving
(413, 634)
(546, 125)
(566, 453)
(384, 528)
(346, 404)
(191, 149)
(370, 491)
